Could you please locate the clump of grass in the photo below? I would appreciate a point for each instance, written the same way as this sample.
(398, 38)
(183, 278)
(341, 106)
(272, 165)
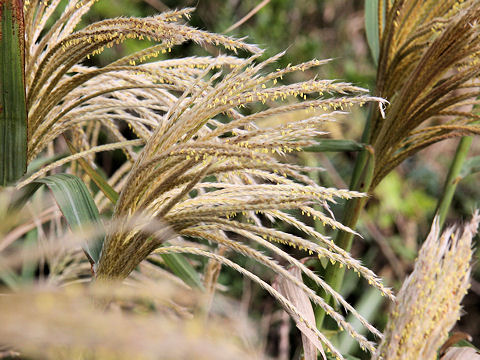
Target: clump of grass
(202, 177)
(205, 169)
(428, 72)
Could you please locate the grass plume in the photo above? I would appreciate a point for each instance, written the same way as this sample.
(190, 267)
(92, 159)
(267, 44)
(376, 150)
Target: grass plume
(428, 304)
(428, 71)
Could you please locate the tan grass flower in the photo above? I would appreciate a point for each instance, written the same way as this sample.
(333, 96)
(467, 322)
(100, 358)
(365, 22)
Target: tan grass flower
(428, 304)
(428, 70)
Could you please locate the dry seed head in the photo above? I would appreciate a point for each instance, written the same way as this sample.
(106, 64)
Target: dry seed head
(428, 61)
(428, 305)
(239, 155)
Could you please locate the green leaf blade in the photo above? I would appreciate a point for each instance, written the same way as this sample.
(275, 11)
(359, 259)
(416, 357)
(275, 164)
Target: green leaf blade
(97, 178)
(182, 268)
(77, 206)
(371, 28)
(335, 145)
(13, 110)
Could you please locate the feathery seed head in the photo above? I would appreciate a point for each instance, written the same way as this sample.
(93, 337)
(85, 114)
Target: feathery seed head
(428, 71)
(428, 304)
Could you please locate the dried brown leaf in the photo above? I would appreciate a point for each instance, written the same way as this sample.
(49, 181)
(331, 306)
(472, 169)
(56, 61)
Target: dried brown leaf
(303, 304)
(461, 353)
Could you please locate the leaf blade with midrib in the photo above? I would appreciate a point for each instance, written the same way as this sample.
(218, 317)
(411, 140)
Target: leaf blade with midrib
(13, 110)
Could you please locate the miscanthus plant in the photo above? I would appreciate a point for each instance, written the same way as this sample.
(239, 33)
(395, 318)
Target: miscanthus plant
(202, 175)
(204, 169)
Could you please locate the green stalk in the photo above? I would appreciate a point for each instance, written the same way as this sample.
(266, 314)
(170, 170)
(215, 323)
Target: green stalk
(361, 180)
(13, 110)
(453, 178)
(364, 166)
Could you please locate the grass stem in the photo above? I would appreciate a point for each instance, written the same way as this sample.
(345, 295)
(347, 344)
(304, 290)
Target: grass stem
(361, 181)
(453, 178)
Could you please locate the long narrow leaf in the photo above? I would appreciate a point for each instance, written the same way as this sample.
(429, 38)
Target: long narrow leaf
(13, 111)
(21, 198)
(76, 205)
(182, 268)
(97, 178)
(371, 28)
(26, 192)
(38, 163)
(334, 145)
